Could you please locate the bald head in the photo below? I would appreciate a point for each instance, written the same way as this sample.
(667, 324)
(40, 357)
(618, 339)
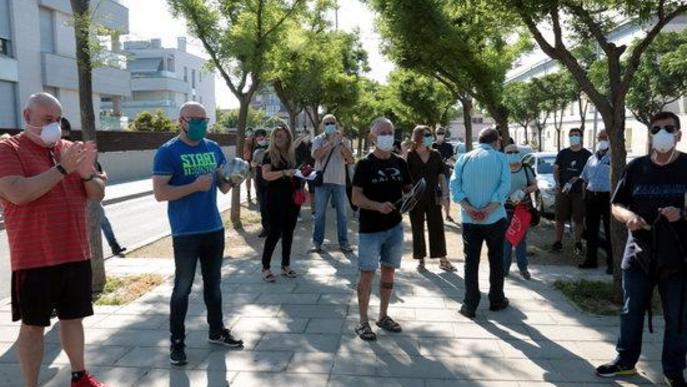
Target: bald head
(41, 109)
(488, 136)
(192, 109)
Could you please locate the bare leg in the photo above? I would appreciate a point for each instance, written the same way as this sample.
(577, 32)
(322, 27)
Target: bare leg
(30, 350)
(386, 287)
(72, 336)
(364, 290)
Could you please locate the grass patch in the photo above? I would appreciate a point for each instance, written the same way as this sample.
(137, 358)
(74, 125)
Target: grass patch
(123, 290)
(249, 217)
(596, 297)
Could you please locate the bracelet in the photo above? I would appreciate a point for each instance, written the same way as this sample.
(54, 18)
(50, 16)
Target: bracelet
(61, 169)
(89, 178)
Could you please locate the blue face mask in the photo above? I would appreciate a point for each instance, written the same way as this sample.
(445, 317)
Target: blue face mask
(513, 158)
(428, 141)
(330, 128)
(197, 129)
(575, 140)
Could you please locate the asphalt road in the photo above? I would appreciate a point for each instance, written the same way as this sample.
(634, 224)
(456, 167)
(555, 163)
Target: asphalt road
(135, 222)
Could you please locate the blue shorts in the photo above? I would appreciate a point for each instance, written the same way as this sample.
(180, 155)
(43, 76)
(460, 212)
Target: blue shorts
(385, 247)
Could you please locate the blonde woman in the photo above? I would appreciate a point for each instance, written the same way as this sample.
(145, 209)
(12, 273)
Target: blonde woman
(278, 169)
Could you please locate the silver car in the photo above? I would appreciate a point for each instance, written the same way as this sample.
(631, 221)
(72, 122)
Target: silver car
(542, 164)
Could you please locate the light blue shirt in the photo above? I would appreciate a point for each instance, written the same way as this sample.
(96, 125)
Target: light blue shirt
(482, 176)
(596, 173)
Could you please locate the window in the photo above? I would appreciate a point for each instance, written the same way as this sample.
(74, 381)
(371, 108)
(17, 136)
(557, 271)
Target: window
(193, 79)
(186, 76)
(8, 105)
(47, 29)
(52, 91)
(170, 64)
(5, 48)
(5, 31)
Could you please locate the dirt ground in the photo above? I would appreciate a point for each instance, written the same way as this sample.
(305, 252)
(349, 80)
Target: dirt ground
(245, 242)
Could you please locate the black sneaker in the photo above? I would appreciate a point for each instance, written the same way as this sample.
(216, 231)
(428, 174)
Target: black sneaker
(224, 337)
(500, 306)
(556, 247)
(467, 312)
(177, 355)
(615, 369)
(579, 249)
(118, 251)
(675, 382)
(526, 274)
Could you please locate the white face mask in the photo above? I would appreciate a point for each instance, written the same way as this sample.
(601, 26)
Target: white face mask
(385, 142)
(50, 133)
(440, 137)
(602, 146)
(663, 141)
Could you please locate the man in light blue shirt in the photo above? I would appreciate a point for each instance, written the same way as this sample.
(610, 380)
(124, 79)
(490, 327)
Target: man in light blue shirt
(597, 198)
(480, 184)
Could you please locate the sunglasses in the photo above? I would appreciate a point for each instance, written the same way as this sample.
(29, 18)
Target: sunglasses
(512, 153)
(440, 133)
(428, 135)
(667, 128)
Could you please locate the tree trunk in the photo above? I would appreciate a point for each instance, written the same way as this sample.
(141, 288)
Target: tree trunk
(360, 145)
(539, 135)
(501, 118)
(527, 128)
(293, 117)
(82, 20)
(467, 121)
(235, 214)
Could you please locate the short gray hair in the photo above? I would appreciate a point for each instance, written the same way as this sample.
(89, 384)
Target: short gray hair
(42, 99)
(189, 104)
(380, 122)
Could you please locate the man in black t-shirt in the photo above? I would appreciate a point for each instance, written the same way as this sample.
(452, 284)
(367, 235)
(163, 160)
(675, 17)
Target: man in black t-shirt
(650, 201)
(379, 182)
(446, 151)
(258, 149)
(569, 199)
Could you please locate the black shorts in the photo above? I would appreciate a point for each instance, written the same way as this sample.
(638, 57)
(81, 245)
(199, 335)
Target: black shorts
(65, 288)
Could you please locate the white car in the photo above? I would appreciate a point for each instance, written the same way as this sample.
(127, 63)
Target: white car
(542, 164)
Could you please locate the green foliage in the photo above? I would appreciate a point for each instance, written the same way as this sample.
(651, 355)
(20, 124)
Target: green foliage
(521, 100)
(229, 119)
(157, 122)
(661, 77)
(469, 46)
(596, 297)
(421, 99)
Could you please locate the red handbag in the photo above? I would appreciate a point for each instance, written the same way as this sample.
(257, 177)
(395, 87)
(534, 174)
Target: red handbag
(299, 196)
(519, 225)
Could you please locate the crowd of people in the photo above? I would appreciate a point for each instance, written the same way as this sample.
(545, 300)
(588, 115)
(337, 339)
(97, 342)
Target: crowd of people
(46, 180)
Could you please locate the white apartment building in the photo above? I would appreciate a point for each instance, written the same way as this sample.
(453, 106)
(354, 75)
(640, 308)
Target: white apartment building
(538, 64)
(38, 51)
(164, 78)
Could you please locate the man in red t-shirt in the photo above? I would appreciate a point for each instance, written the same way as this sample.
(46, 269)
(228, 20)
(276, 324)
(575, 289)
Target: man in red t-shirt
(44, 185)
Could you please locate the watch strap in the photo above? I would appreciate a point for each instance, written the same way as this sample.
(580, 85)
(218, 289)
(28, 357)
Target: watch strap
(61, 169)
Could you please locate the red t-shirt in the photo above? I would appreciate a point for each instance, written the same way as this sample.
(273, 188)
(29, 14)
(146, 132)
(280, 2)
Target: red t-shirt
(50, 230)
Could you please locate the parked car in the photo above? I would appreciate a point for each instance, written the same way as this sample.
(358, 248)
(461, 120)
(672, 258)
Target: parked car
(525, 149)
(542, 165)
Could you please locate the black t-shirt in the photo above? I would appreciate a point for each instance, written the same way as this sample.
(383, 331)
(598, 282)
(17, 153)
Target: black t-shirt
(303, 154)
(643, 189)
(382, 180)
(445, 149)
(570, 164)
(282, 187)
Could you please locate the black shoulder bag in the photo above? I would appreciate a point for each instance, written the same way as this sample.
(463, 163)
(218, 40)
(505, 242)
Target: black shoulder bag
(536, 216)
(319, 175)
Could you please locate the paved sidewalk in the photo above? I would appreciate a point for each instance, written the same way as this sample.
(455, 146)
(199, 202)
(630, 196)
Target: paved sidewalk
(119, 192)
(298, 332)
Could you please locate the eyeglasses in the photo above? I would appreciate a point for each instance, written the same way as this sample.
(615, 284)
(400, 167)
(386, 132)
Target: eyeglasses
(196, 119)
(440, 133)
(428, 135)
(512, 153)
(667, 128)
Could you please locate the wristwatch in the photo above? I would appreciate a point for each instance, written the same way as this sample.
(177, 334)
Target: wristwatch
(89, 178)
(61, 169)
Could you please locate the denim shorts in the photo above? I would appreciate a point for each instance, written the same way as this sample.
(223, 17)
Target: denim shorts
(385, 247)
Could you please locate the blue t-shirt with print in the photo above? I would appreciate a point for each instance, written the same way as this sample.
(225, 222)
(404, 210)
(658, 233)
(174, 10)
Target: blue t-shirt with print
(196, 213)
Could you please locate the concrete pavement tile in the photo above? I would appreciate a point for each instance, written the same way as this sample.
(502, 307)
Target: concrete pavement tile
(298, 342)
(358, 364)
(246, 361)
(575, 370)
(511, 370)
(8, 353)
(260, 287)
(8, 334)
(256, 310)
(132, 321)
(405, 366)
(268, 324)
(467, 383)
(278, 299)
(136, 337)
(385, 344)
(158, 357)
(179, 377)
(428, 329)
(313, 311)
(199, 339)
(460, 348)
(261, 379)
(311, 363)
(336, 298)
(366, 381)
(325, 325)
(95, 355)
(542, 349)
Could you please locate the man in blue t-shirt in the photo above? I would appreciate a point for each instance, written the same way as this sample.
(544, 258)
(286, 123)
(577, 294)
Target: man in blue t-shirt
(187, 173)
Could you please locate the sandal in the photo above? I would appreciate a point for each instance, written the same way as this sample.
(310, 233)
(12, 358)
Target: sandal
(267, 276)
(445, 265)
(389, 325)
(287, 272)
(364, 331)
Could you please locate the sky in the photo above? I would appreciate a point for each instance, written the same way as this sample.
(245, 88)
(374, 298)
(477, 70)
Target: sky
(152, 19)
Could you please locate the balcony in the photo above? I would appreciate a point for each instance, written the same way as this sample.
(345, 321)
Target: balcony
(159, 81)
(108, 13)
(61, 72)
